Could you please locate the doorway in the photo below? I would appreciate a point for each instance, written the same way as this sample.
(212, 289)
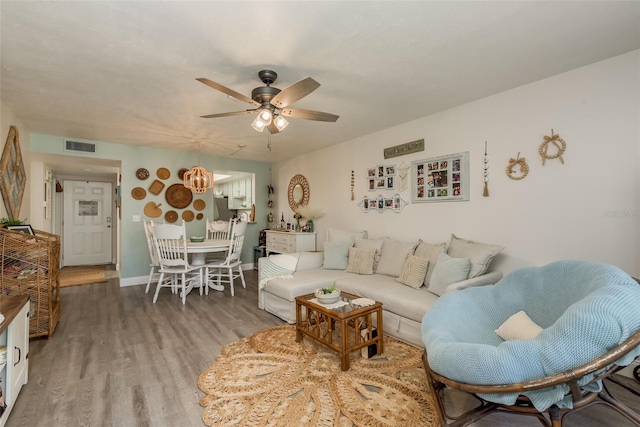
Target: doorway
(87, 223)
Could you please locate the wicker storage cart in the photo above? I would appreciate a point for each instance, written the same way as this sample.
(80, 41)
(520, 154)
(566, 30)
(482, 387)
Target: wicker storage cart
(30, 266)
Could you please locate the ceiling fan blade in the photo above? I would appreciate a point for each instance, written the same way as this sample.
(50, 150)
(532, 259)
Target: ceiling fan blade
(232, 113)
(272, 128)
(295, 92)
(228, 91)
(299, 113)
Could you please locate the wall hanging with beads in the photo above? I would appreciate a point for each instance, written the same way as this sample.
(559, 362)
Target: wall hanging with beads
(352, 183)
(485, 172)
(555, 140)
(381, 203)
(382, 177)
(522, 163)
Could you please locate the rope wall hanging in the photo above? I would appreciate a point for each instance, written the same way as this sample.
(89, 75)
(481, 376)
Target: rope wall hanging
(555, 140)
(485, 172)
(524, 168)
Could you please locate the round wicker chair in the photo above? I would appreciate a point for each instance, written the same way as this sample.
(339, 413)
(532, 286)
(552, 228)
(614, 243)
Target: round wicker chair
(590, 315)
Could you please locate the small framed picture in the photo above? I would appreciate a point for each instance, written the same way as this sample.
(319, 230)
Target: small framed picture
(371, 173)
(22, 228)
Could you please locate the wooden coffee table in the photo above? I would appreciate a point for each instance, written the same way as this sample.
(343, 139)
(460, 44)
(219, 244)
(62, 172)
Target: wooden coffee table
(320, 322)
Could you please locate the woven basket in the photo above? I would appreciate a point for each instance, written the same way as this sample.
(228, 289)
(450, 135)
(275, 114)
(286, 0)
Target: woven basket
(30, 266)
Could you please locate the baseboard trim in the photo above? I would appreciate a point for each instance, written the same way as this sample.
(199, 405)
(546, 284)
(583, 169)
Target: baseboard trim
(142, 280)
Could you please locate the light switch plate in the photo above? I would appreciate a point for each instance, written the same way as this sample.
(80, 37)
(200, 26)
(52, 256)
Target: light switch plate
(136, 218)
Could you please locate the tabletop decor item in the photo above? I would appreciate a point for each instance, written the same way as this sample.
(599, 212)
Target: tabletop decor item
(555, 140)
(142, 174)
(524, 167)
(197, 239)
(327, 295)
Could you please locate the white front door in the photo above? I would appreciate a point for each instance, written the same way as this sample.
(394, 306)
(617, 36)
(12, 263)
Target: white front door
(87, 223)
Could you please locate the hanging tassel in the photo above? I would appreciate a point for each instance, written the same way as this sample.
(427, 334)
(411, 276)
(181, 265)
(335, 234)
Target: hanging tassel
(485, 173)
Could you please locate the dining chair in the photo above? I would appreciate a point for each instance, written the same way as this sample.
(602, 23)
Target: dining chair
(216, 270)
(218, 230)
(154, 264)
(171, 247)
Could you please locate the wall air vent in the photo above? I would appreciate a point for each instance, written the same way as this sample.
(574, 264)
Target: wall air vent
(85, 147)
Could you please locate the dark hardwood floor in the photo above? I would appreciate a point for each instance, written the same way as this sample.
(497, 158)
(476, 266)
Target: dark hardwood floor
(117, 359)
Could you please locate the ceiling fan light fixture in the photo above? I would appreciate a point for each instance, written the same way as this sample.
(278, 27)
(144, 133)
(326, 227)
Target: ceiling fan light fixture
(266, 115)
(258, 124)
(280, 123)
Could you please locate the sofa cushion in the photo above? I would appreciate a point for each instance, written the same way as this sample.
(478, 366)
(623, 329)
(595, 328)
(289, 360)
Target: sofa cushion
(413, 272)
(361, 260)
(305, 282)
(395, 297)
(431, 252)
(480, 254)
(336, 255)
(341, 236)
(448, 270)
(393, 255)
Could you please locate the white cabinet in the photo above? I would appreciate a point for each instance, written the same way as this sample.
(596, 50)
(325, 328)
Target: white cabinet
(286, 242)
(14, 334)
(240, 193)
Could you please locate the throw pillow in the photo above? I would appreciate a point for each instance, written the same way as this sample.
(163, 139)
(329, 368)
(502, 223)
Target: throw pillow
(431, 252)
(336, 255)
(279, 266)
(372, 243)
(480, 254)
(413, 272)
(518, 327)
(341, 236)
(361, 260)
(393, 255)
(448, 270)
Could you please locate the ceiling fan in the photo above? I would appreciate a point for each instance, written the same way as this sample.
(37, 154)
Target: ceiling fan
(271, 103)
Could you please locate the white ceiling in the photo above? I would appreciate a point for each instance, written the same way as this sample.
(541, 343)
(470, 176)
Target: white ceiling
(124, 71)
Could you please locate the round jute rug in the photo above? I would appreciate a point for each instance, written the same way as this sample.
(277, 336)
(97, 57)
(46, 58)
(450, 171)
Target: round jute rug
(270, 380)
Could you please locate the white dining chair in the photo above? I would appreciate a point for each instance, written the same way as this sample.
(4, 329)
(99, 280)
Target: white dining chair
(154, 264)
(218, 230)
(171, 247)
(216, 270)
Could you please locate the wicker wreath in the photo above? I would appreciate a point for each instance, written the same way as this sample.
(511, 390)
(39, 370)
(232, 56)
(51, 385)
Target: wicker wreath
(555, 140)
(524, 167)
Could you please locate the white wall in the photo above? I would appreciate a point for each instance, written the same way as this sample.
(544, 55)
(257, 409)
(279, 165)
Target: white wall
(7, 119)
(588, 208)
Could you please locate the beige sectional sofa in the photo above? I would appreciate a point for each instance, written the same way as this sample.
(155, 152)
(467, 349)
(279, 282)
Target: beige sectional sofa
(392, 272)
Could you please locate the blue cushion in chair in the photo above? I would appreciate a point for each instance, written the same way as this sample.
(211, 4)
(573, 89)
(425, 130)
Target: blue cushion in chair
(585, 308)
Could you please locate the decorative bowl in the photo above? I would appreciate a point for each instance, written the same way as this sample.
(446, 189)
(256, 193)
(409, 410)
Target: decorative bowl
(197, 239)
(327, 298)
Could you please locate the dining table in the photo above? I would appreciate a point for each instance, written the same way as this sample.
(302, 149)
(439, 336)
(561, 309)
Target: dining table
(198, 251)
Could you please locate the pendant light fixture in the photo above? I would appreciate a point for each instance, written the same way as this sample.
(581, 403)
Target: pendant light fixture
(198, 180)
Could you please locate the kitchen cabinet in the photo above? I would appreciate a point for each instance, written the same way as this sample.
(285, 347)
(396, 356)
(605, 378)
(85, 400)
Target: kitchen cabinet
(14, 334)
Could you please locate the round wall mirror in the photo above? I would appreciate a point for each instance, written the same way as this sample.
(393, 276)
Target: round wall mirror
(298, 192)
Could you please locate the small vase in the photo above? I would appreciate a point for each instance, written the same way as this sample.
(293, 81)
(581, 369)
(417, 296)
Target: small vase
(310, 226)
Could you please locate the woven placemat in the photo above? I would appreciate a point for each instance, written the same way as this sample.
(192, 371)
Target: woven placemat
(269, 379)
